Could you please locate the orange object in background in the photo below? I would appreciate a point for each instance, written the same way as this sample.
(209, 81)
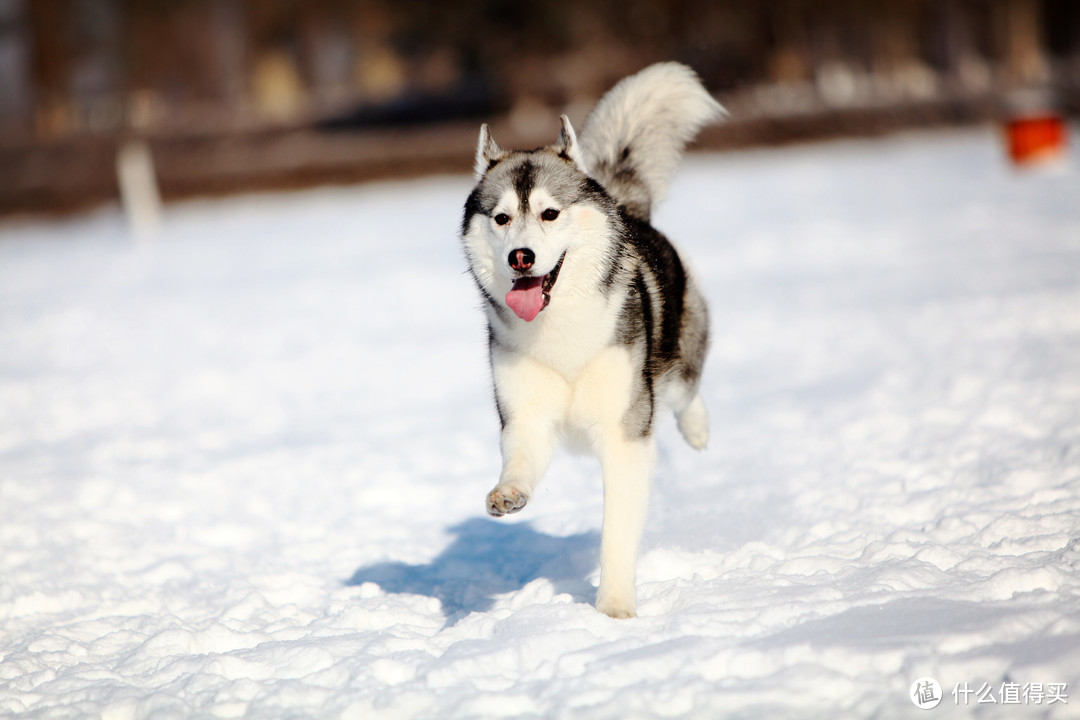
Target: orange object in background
(1036, 138)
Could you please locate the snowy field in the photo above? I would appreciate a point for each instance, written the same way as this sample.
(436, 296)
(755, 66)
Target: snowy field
(242, 471)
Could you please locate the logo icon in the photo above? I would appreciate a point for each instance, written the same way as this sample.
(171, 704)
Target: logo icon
(925, 693)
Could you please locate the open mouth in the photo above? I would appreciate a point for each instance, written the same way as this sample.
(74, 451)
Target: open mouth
(530, 295)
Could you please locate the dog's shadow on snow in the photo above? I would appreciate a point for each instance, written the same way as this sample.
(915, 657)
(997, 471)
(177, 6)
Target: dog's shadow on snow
(489, 558)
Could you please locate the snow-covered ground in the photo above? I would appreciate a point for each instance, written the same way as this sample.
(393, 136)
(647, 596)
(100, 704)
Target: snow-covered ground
(242, 471)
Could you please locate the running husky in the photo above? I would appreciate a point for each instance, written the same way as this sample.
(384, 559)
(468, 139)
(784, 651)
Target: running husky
(593, 319)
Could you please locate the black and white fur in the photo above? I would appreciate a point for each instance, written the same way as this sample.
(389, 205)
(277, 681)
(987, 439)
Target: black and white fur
(623, 328)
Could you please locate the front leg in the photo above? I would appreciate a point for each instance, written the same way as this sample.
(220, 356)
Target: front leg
(613, 400)
(628, 467)
(526, 450)
(532, 402)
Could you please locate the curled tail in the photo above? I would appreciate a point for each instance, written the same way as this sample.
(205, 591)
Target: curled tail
(634, 137)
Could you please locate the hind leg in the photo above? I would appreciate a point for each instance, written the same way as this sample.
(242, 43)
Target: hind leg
(693, 423)
(690, 413)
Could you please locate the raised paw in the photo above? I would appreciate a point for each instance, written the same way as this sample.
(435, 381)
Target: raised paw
(503, 501)
(694, 424)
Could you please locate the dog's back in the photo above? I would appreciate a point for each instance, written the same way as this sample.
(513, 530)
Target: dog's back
(631, 144)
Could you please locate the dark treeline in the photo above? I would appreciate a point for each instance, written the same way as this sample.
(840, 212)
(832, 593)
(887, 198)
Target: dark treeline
(164, 66)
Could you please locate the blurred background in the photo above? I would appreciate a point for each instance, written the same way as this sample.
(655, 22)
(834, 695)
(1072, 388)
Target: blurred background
(233, 95)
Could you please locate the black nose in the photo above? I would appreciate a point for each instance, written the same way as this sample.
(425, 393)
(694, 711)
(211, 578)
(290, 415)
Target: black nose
(521, 259)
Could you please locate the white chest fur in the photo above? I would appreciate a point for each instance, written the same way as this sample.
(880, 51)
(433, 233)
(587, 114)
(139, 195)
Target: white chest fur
(567, 335)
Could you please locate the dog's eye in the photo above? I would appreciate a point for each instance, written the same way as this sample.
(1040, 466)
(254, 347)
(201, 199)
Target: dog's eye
(502, 219)
(549, 214)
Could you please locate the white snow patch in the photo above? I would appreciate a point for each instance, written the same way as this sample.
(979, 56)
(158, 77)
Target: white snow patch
(242, 470)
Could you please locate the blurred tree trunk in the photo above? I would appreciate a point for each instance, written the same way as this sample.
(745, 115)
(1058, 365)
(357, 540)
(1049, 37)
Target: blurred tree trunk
(1020, 35)
(51, 62)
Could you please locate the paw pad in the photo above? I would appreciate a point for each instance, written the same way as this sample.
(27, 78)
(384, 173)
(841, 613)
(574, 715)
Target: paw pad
(501, 503)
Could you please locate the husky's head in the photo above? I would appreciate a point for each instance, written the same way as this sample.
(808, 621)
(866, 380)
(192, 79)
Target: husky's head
(530, 212)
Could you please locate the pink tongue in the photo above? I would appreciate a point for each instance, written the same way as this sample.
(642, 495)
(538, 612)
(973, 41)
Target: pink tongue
(526, 298)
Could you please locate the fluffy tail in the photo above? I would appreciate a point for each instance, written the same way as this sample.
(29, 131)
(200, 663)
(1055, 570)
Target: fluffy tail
(635, 135)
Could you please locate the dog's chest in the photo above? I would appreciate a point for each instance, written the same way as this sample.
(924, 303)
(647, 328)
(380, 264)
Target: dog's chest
(567, 335)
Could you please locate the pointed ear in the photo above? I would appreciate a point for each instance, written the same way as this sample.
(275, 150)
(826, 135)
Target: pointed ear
(567, 145)
(486, 152)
